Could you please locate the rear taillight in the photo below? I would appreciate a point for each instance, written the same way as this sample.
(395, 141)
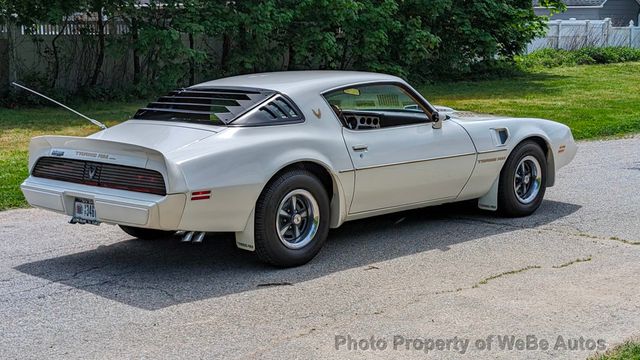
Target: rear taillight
(100, 174)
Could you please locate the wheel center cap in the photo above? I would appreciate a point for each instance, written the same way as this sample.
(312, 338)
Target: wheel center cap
(297, 219)
(527, 179)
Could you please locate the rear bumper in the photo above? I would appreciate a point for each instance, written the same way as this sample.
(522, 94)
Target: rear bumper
(112, 205)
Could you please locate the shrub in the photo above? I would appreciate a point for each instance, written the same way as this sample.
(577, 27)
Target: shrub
(585, 56)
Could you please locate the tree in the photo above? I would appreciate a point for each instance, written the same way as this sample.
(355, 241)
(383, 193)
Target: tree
(173, 43)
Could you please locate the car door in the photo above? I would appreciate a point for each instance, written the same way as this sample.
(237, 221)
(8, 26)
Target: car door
(403, 160)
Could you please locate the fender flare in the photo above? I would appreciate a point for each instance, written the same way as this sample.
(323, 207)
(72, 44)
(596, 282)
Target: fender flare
(490, 200)
(245, 239)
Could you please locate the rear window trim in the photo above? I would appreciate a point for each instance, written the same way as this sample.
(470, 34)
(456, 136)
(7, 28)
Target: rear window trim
(271, 98)
(285, 121)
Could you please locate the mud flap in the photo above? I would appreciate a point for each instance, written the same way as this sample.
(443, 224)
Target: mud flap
(245, 239)
(490, 200)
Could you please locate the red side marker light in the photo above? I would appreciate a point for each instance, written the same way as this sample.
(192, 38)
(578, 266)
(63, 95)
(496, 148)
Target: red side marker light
(201, 195)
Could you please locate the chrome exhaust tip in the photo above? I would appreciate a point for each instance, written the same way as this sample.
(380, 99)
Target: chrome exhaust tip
(188, 236)
(199, 237)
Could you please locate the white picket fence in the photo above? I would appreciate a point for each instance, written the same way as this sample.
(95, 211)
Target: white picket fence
(575, 34)
(562, 34)
(70, 28)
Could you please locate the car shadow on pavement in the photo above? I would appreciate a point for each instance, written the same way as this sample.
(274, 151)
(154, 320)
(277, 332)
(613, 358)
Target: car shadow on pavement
(156, 274)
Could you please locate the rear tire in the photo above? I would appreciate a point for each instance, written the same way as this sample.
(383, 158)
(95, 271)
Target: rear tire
(291, 219)
(146, 234)
(523, 180)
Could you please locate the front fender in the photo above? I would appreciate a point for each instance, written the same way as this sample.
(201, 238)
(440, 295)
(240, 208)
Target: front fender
(556, 138)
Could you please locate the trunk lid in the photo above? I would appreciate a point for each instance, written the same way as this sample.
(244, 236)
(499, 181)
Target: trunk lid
(162, 136)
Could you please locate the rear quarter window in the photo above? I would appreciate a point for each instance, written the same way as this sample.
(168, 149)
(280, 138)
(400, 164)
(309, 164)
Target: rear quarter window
(276, 111)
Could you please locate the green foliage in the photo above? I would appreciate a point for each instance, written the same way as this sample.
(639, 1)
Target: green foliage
(175, 43)
(549, 58)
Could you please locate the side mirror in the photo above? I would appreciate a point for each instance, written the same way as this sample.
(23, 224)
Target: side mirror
(437, 118)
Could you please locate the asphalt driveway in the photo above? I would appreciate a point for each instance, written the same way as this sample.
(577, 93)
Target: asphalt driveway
(419, 282)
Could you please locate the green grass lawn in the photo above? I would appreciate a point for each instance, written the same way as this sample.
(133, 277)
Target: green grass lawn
(627, 351)
(594, 100)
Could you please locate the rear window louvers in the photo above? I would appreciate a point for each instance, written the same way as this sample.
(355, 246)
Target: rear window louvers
(203, 105)
(279, 110)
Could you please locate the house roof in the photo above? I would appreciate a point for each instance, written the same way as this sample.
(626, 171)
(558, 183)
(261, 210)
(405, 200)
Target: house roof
(577, 3)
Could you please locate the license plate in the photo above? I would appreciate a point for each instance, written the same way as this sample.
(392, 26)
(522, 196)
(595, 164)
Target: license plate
(85, 209)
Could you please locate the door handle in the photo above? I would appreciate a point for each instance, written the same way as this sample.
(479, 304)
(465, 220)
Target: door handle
(360, 147)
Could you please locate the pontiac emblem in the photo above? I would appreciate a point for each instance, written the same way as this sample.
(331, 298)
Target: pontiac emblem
(91, 171)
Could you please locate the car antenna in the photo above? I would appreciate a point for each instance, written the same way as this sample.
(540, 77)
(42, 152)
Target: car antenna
(94, 121)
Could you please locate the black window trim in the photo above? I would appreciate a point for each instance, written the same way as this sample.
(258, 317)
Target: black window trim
(420, 100)
(297, 120)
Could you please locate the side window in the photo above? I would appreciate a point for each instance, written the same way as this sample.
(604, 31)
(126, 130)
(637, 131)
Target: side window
(375, 106)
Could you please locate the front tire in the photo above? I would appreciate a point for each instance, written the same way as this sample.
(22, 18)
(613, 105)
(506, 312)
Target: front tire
(523, 180)
(146, 234)
(292, 219)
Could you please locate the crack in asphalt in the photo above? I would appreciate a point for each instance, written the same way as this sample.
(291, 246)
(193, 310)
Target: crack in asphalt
(628, 242)
(50, 282)
(487, 279)
(86, 271)
(512, 272)
(283, 283)
(275, 342)
(547, 228)
(578, 260)
(168, 294)
(339, 317)
(47, 251)
(56, 281)
(506, 273)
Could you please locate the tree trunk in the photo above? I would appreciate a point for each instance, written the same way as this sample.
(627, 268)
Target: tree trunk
(137, 71)
(100, 57)
(56, 57)
(192, 64)
(292, 54)
(226, 48)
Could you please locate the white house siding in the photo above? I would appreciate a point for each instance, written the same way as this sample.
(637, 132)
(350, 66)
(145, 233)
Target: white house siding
(577, 13)
(619, 11)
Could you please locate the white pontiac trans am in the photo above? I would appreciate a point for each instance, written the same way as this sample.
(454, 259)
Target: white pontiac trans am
(279, 158)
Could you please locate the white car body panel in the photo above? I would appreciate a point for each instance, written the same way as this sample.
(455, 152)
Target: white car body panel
(403, 167)
(428, 165)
